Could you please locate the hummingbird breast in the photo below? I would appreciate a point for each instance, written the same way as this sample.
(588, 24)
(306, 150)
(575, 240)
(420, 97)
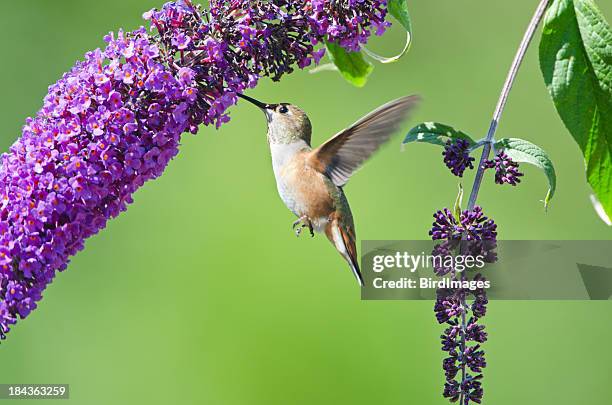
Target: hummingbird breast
(303, 189)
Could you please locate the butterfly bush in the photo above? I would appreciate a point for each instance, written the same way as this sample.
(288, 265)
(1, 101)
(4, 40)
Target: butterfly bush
(461, 309)
(115, 119)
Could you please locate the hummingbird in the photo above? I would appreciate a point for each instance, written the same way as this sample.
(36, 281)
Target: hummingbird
(310, 181)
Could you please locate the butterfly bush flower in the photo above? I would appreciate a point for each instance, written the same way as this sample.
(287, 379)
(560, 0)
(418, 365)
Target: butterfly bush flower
(348, 22)
(471, 225)
(457, 156)
(465, 360)
(506, 170)
(460, 308)
(115, 120)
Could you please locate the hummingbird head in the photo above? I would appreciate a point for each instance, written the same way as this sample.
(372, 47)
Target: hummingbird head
(286, 122)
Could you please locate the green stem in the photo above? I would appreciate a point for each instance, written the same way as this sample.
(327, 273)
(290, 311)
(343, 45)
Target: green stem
(488, 142)
(503, 97)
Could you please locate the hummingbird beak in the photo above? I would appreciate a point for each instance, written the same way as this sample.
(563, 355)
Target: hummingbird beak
(266, 108)
(251, 100)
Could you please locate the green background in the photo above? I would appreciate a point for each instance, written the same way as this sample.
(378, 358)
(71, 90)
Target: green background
(201, 293)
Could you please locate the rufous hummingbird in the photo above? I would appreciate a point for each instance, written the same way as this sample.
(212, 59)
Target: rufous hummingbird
(310, 181)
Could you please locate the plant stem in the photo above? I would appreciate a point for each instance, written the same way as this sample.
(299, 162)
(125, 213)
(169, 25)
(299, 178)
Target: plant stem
(503, 97)
(499, 109)
(463, 341)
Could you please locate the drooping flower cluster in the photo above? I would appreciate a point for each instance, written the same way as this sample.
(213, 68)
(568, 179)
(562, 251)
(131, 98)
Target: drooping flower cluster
(115, 120)
(506, 169)
(461, 341)
(457, 156)
(460, 309)
(471, 225)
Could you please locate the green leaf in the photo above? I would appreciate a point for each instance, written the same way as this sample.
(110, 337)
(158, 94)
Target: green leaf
(352, 65)
(436, 134)
(600, 211)
(399, 10)
(576, 61)
(522, 151)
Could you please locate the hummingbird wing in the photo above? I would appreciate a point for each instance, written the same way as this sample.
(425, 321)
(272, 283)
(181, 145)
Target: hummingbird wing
(343, 154)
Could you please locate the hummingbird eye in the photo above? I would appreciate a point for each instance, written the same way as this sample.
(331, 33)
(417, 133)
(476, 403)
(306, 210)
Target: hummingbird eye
(283, 109)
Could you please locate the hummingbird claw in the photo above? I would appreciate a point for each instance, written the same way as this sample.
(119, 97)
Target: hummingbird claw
(296, 223)
(305, 222)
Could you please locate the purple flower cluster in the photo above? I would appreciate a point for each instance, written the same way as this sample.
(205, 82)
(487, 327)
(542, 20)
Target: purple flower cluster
(457, 156)
(471, 234)
(469, 390)
(506, 170)
(236, 42)
(115, 120)
(348, 22)
(461, 341)
(471, 225)
(110, 124)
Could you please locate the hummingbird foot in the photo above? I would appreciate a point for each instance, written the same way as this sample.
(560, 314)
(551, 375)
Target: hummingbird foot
(305, 222)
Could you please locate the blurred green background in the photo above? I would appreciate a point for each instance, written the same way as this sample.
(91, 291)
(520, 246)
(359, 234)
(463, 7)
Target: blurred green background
(201, 293)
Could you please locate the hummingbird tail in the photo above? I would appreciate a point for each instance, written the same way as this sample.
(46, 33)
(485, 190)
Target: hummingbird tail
(343, 238)
(356, 272)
